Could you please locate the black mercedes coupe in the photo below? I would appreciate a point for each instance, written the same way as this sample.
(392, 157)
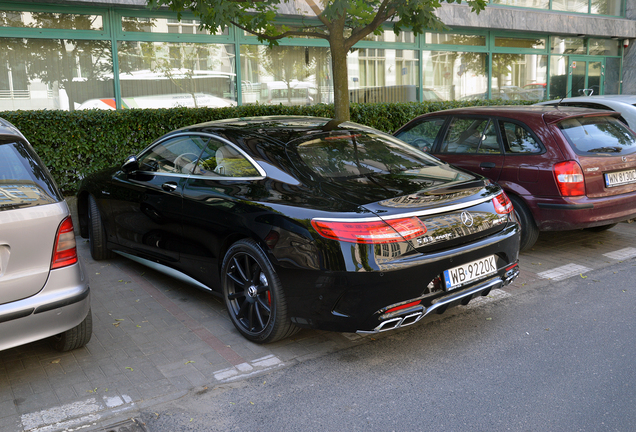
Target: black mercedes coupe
(303, 222)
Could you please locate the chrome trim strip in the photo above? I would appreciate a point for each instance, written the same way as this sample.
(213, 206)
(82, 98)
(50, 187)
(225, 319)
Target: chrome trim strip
(165, 270)
(414, 213)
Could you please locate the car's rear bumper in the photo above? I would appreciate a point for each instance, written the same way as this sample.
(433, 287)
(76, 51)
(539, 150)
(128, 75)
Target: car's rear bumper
(362, 300)
(557, 214)
(62, 304)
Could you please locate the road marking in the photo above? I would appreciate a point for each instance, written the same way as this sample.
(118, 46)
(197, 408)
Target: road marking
(564, 272)
(70, 417)
(622, 254)
(244, 370)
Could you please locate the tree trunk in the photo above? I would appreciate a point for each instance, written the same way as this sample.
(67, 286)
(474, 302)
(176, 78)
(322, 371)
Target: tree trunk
(340, 79)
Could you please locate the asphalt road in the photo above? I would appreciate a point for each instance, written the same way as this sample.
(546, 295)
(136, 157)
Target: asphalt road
(554, 358)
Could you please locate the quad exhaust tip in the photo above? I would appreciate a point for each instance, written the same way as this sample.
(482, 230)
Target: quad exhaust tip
(411, 317)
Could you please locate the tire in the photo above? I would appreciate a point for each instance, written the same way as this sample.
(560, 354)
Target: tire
(601, 228)
(76, 337)
(529, 230)
(253, 294)
(96, 232)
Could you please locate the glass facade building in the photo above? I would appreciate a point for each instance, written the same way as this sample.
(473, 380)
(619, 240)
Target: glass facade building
(73, 57)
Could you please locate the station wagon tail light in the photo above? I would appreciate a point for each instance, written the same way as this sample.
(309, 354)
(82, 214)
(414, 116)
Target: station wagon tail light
(502, 203)
(65, 251)
(569, 178)
(373, 232)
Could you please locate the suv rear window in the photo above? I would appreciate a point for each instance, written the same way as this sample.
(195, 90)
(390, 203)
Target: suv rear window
(24, 182)
(598, 136)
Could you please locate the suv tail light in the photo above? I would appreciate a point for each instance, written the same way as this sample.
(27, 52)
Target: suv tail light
(65, 251)
(374, 232)
(569, 178)
(502, 203)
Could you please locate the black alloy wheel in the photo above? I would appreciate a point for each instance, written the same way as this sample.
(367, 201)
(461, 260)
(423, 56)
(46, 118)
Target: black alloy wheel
(253, 294)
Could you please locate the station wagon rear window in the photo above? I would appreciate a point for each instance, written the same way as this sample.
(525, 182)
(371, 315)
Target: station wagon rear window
(598, 136)
(23, 180)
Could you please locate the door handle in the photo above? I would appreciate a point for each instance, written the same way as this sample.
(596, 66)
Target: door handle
(169, 187)
(487, 165)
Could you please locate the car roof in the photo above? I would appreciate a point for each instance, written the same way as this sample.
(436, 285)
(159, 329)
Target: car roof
(628, 99)
(282, 128)
(550, 113)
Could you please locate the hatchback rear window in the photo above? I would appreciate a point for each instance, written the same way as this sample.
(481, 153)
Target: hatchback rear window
(598, 136)
(24, 182)
(358, 154)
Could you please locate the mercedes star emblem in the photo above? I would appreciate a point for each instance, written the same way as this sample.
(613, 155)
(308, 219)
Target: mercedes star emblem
(467, 219)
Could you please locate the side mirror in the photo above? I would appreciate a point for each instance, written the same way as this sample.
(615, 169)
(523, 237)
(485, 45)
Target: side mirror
(131, 165)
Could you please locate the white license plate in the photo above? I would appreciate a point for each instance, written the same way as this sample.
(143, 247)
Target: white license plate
(467, 273)
(620, 178)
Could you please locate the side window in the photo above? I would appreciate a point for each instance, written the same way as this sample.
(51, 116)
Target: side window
(221, 159)
(465, 135)
(423, 134)
(174, 155)
(519, 140)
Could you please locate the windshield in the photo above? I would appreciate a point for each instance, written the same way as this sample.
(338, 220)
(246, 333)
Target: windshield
(351, 154)
(597, 136)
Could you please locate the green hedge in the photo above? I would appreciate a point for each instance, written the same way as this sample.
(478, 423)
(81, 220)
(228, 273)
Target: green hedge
(75, 144)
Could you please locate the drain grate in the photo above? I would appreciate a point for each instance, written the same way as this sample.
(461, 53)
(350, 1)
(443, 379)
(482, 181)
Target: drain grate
(131, 425)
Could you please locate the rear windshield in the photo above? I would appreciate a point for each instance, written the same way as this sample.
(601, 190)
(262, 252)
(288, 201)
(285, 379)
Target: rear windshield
(360, 154)
(598, 136)
(24, 182)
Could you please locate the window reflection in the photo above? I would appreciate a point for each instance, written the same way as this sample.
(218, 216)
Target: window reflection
(519, 76)
(455, 75)
(54, 73)
(166, 74)
(51, 20)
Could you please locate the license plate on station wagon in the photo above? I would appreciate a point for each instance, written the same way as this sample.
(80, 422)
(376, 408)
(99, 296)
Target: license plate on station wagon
(469, 272)
(620, 178)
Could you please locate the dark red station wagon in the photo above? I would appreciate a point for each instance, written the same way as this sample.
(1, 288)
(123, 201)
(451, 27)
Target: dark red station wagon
(563, 167)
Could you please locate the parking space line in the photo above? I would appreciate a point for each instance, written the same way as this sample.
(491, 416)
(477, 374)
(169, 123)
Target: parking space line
(622, 254)
(564, 272)
(248, 368)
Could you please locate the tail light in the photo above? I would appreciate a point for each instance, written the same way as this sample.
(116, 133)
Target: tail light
(65, 251)
(374, 232)
(569, 178)
(502, 203)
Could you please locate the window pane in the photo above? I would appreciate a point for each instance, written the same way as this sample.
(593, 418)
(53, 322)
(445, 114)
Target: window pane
(581, 6)
(507, 42)
(390, 36)
(177, 155)
(383, 75)
(53, 73)
(519, 76)
(518, 140)
(50, 20)
(568, 45)
(607, 7)
(538, 4)
(464, 135)
(598, 136)
(455, 39)
(286, 75)
(455, 75)
(558, 77)
(165, 25)
(606, 47)
(220, 159)
(423, 134)
(166, 74)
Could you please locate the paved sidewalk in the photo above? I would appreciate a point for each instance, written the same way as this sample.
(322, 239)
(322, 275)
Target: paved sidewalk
(156, 339)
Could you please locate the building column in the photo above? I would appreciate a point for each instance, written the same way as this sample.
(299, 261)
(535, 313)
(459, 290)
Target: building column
(629, 56)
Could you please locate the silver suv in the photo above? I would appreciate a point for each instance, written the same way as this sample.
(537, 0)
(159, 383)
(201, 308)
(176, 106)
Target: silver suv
(43, 289)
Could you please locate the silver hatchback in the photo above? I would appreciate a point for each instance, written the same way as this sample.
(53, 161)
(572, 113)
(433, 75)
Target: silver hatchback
(44, 291)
